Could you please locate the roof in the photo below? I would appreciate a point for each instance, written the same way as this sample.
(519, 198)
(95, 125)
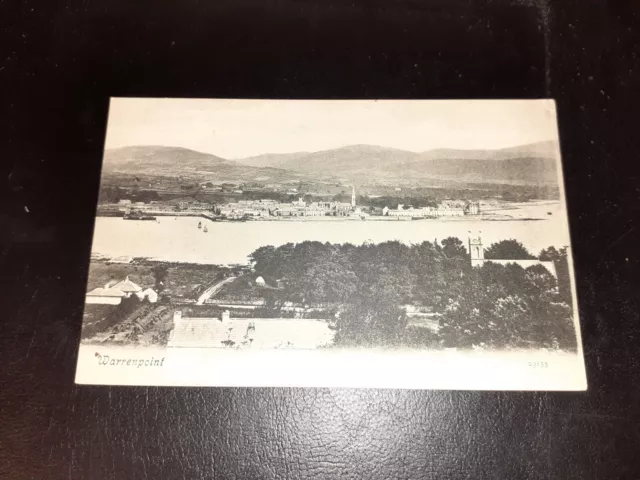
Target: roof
(106, 292)
(267, 333)
(127, 286)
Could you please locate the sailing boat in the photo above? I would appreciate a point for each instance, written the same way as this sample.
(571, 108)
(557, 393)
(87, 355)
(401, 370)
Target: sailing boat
(205, 229)
(199, 224)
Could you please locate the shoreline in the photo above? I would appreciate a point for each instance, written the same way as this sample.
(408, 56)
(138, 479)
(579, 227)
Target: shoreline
(465, 218)
(491, 211)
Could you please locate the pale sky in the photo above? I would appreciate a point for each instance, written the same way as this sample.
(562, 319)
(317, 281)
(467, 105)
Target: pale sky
(241, 128)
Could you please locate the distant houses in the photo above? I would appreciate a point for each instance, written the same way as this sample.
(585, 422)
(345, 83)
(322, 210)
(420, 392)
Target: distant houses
(447, 208)
(113, 293)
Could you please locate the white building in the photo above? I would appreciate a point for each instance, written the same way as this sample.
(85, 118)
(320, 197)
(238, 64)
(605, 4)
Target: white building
(148, 294)
(113, 293)
(104, 296)
(127, 286)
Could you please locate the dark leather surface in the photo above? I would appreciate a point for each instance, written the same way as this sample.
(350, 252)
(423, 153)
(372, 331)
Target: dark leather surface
(59, 62)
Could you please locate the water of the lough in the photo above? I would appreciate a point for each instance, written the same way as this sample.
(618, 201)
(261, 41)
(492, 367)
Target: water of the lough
(178, 239)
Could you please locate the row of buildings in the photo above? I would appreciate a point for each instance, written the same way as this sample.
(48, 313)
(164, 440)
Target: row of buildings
(445, 209)
(154, 206)
(299, 208)
(263, 208)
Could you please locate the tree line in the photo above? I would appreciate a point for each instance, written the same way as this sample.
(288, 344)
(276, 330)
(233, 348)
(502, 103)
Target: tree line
(364, 289)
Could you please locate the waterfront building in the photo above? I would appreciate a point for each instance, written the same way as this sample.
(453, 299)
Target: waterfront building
(194, 206)
(472, 208)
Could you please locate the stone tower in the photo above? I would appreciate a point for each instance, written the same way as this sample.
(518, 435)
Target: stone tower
(476, 250)
(353, 196)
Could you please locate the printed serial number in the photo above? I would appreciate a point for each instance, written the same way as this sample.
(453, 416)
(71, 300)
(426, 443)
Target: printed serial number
(538, 364)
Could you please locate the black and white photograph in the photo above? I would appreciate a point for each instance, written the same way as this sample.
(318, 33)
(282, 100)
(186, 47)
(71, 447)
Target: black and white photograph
(352, 243)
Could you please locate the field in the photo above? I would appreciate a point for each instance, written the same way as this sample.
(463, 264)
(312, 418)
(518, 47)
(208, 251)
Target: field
(183, 281)
(141, 324)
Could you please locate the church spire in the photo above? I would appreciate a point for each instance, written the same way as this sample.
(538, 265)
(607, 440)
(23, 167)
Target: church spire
(353, 196)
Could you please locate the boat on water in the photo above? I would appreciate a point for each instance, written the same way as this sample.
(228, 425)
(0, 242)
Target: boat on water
(205, 229)
(200, 225)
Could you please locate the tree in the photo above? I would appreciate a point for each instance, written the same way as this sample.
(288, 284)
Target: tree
(374, 315)
(508, 250)
(160, 272)
(328, 281)
(453, 247)
(560, 261)
(365, 325)
(506, 306)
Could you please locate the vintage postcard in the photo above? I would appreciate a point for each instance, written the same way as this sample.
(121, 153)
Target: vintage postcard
(386, 244)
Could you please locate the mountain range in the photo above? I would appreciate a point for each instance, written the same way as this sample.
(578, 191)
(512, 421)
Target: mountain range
(523, 165)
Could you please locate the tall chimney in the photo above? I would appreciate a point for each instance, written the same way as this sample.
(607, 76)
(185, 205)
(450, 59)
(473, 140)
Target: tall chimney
(177, 317)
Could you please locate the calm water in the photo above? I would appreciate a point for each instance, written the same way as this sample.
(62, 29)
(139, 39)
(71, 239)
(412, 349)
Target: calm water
(179, 239)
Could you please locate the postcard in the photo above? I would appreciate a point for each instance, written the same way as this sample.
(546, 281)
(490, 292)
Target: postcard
(319, 243)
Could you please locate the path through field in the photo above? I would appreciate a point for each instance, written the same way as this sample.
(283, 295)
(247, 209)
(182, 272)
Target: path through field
(212, 290)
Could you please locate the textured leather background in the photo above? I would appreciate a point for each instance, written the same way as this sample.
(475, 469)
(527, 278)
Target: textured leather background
(59, 63)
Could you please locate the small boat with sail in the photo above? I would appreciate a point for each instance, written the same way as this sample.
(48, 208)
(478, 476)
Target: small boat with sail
(199, 224)
(205, 229)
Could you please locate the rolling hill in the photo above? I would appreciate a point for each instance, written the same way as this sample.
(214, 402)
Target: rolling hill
(174, 162)
(140, 159)
(523, 165)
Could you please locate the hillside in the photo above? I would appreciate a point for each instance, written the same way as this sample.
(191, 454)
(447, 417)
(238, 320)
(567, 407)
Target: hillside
(271, 159)
(524, 165)
(175, 162)
(361, 164)
(140, 159)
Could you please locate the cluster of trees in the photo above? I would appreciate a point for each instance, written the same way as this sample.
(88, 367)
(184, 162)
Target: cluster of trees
(109, 194)
(393, 201)
(524, 193)
(365, 288)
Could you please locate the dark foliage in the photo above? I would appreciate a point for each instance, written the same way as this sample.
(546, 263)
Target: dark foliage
(508, 250)
(367, 286)
(559, 258)
(160, 276)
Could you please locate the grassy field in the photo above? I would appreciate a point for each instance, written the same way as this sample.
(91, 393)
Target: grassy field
(146, 324)
(183, 281)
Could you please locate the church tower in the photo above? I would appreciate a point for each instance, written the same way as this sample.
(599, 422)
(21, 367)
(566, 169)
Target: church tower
(353, 196)
(476, 250)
